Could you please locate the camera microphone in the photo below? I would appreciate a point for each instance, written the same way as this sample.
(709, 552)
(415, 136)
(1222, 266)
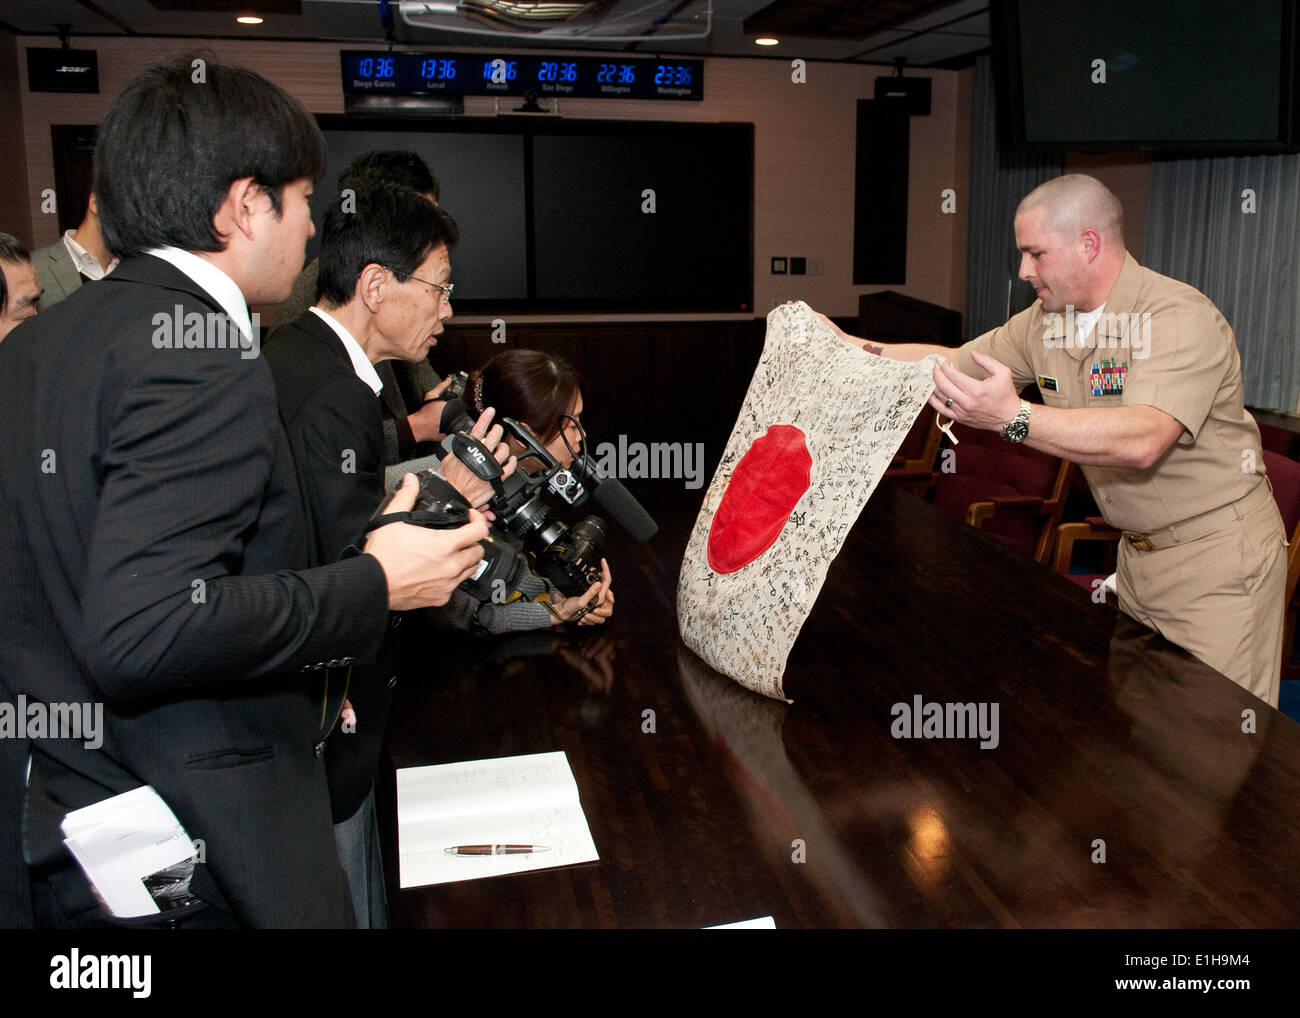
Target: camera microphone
(615, 500)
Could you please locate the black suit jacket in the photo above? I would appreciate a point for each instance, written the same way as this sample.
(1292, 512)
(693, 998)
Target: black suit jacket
(336, 434)
(155, 549)
(405, 382)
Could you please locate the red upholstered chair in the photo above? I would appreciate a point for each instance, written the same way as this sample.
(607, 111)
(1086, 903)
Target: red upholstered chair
(1283, 474)
(1013, 492)
(1274, 438)
(913, 465)
(1093, 528)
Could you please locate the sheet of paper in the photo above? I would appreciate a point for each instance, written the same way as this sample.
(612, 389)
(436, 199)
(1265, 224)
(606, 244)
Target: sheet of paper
(521, 800)
(132, 849)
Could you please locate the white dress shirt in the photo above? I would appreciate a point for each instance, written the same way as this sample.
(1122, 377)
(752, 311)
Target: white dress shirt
(360, 362)
(87, 264)
(212, 281)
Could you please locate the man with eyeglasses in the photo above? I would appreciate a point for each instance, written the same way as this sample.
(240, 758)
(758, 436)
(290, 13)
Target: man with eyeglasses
(411, 415)
(383, 293)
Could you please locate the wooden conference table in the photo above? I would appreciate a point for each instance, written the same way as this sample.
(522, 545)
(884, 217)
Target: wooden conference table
(1107, 734)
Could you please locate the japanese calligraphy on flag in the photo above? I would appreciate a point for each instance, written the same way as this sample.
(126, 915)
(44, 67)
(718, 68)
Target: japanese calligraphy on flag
(819, 426)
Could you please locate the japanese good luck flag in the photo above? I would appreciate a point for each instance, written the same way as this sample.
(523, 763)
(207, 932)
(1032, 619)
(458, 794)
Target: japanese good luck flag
(819, 426)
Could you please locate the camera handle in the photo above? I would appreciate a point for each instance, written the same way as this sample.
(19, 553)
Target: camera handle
(443, 518)
(478, 458)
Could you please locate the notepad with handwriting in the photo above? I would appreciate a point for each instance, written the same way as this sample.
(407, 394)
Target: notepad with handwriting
(516, 800)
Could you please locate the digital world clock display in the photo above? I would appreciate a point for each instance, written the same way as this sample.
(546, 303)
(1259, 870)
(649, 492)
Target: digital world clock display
(488, 73)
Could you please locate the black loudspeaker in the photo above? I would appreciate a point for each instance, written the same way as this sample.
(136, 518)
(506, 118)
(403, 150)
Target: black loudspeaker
(880, 196)
(911, 94)
(62, 70)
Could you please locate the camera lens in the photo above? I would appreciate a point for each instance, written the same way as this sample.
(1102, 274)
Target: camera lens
(572, 561)
(498, 573)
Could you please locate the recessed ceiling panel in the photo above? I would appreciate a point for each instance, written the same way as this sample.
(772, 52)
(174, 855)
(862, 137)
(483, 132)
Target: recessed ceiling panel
(586, 20)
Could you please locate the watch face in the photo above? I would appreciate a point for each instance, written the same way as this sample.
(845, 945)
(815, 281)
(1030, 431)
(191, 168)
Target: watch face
(1016, 431)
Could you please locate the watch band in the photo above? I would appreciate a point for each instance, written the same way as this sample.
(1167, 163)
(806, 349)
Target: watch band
(1017, 429)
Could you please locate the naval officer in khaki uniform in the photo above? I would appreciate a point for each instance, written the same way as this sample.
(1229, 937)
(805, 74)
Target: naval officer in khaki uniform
(1141, 383)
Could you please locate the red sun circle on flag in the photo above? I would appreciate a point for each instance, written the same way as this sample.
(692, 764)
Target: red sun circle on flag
(765, 487)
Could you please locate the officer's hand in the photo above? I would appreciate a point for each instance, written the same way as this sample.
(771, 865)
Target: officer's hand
(989, 404)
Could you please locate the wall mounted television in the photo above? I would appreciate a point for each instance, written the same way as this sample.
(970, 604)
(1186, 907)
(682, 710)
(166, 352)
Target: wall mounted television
(553, 214)
(1196, 76)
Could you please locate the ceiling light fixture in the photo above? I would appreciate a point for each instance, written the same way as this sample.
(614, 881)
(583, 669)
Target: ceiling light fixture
(766, 41)
(249, 19)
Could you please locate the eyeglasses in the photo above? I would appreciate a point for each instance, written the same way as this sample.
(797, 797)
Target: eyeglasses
(565, 421)
(444, 289)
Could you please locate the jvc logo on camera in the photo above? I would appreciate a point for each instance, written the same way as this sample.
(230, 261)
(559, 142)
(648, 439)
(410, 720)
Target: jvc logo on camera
(75, 971)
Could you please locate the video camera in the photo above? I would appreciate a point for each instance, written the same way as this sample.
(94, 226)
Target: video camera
(567, 556)
(441, 507)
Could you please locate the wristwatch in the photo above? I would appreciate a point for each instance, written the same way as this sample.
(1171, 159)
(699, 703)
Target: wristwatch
(1018, 428)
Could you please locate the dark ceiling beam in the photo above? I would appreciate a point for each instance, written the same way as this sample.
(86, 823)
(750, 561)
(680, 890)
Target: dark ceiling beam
(112, 19)
(841, 19)
(852, 19)
(290, 7)
(908, 38)
(959, 62)
(922, 10)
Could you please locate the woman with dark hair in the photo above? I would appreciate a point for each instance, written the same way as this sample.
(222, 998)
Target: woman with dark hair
(538, 389)
(543, 392)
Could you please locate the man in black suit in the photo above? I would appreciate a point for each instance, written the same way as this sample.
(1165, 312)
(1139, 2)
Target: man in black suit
(20, 290)
(410, 418)
(153, 537)
(384, 294)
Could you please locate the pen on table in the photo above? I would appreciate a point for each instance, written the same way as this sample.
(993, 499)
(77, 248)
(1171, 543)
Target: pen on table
(495, 849)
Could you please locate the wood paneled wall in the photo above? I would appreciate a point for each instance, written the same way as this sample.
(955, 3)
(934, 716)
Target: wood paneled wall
(650, 381)
(14, 215)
